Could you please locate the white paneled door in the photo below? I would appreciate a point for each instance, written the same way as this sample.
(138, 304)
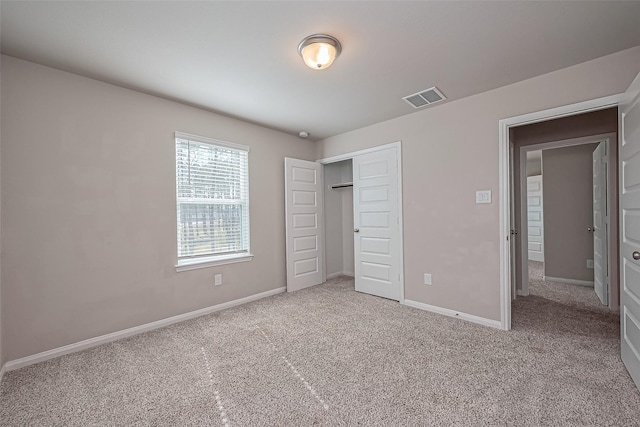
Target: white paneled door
(535, 220)
(377, 224)
(600, 226)
(629, 152)
(304, 223)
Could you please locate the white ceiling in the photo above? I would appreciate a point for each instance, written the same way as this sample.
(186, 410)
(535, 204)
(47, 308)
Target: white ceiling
(240, 58)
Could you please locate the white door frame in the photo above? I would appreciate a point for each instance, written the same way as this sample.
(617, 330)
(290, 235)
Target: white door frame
(512, 214)
(524, 215)
(504, 190)
(398, 147)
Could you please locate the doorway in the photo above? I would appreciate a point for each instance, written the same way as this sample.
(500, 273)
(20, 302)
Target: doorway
(568, 206)
(509, 163)
(338, 214)
(627, 244)
(571, 201)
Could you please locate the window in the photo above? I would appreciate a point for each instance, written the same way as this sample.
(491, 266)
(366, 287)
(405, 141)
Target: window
(212, 186)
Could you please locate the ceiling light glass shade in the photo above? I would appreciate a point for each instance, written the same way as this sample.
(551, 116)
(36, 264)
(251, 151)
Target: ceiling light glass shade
(319, 51)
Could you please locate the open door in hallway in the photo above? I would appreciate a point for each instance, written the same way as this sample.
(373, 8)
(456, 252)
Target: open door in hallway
(600, 226)
(535, 221)
(629, 112)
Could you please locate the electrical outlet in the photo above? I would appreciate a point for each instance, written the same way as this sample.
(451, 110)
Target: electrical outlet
(589, 263)
(218, 280)
(427, 279)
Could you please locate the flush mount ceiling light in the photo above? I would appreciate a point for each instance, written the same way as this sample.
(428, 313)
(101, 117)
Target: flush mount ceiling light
(319, 50)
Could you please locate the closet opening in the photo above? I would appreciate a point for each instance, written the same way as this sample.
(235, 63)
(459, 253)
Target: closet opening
(338, 217)
(344, 217)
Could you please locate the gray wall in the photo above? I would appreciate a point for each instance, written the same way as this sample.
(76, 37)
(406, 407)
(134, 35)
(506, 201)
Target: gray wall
(88, 199)
(594, 123)
(568, 211)
(89, 208)
(450, 151)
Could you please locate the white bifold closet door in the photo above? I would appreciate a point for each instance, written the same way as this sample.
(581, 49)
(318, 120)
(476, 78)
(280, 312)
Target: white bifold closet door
(304, 223)
(376, 224)
(376, 212)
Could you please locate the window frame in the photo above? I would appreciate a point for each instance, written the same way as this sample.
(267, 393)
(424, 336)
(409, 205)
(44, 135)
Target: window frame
(192, 263)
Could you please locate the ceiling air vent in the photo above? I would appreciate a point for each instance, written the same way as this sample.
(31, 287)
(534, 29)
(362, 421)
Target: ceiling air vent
(425, 97)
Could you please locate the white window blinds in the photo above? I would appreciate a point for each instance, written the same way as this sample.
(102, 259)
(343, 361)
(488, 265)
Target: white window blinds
(212, 180)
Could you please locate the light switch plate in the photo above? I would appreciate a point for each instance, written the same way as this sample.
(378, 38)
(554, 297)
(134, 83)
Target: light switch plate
(589, 263)
(427, 279)
(218, 280)
(483, 196)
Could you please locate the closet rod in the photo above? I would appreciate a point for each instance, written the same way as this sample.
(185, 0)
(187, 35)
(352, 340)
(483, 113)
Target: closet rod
(343, 185)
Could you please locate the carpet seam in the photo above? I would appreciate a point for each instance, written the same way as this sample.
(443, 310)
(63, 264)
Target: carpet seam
(216, 394)
(293, 369)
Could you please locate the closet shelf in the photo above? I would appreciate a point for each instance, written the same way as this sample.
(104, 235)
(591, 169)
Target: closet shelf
(342, 185)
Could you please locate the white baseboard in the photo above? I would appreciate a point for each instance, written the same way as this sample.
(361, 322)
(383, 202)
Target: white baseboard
(343, 273)
(104, 339)
(452, 313)
(569, 281)
(2, 371)
(522, 293)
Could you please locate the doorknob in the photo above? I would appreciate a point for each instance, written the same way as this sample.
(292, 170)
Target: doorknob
(357, 230)
(591, 229)
(636, 255)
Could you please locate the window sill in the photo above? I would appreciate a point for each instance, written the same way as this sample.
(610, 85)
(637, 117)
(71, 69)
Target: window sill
(194, 264)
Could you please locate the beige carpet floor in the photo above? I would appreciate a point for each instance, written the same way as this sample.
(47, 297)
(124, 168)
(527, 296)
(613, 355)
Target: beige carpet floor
(330, 356)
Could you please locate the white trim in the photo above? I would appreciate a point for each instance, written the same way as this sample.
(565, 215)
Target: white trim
(2, 371)
(505, 226)
(569, 281)
(196, 263)
(400, 220)
(398, 147)
(503, 171)
(522, 294)
(452, 313)
(104, 339)
(205, 140)
(524, 214)
(340, 273)
(571, 142)
(564, 111)
(351, 155)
